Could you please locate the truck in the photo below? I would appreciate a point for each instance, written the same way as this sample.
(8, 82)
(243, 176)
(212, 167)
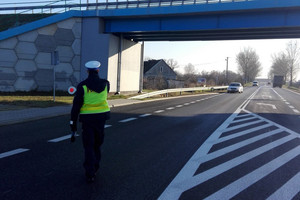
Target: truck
(278, 81)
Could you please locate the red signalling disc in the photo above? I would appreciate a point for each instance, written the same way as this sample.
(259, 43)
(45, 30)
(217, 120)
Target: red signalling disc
(71, 90)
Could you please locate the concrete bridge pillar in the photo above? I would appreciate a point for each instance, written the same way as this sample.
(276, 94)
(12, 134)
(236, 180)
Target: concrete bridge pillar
(120, 58)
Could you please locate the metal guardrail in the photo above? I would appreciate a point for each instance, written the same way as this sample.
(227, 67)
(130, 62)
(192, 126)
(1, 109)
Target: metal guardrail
(167, 91)
(116, 4)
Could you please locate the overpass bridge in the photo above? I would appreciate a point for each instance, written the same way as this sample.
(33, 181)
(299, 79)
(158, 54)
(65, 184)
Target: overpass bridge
(112, 32)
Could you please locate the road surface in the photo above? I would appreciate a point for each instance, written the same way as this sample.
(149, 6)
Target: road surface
(216, 146)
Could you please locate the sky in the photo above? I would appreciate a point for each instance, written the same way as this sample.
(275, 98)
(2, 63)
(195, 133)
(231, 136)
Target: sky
(204, 55)
(211, 55)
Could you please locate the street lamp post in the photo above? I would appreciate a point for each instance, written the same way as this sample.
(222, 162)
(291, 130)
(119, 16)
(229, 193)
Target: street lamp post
(227, 69)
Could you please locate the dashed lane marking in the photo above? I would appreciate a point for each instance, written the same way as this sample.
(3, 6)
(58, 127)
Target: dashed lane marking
(66, 137)
(128, 120)
(145, 115)
(159, 111)
(107, 126)
(171, 108)
(13, 152)
(179, 106)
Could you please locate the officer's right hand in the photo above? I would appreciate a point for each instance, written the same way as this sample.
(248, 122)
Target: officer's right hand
(73, 126)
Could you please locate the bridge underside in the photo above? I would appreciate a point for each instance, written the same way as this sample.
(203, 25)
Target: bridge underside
(238, 34)
(255, 24)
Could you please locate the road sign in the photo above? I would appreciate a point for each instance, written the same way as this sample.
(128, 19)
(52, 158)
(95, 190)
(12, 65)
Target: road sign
(71, 90)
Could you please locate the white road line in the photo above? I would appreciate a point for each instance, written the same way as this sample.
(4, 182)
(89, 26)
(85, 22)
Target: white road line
(242, 125)
(128, 120)
(198, 100)
(266, 104)
(292, 107)
(241, 116)
(229, 137)
(296, 111)
(171, 108)
(13, 152)
(191, 182)
(107, 126)
(239, 185)
(61, 138)
(193, 102)
(287, 103)
(159, 111)
(145, 115)
(241, 120)
(288, 190)
(179, 106)
(238, 145)
(186, 104)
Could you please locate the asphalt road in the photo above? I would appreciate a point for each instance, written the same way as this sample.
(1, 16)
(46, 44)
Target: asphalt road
(218, 146)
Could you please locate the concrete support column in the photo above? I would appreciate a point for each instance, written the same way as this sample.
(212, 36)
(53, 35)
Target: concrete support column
(119, 63)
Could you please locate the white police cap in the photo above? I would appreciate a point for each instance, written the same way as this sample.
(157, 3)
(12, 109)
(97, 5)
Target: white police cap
(92, 64)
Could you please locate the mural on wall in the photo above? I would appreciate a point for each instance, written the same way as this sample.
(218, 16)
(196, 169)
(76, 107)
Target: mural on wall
(25, 60)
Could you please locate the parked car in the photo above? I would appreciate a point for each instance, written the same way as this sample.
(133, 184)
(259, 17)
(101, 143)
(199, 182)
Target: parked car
(235, 87)
(255, 83)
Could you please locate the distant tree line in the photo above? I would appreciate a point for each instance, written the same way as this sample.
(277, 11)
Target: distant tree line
(286, 63)
(249, 68)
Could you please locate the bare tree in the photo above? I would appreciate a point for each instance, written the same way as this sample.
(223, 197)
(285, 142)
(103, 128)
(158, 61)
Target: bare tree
(248, 64)
(172, 63)
(190, 69)
(293, 53)
(280, 65)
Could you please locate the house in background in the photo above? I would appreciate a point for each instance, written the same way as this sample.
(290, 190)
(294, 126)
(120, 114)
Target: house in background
(159, 75)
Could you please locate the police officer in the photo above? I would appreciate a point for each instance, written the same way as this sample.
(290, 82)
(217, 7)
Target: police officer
(90, 103)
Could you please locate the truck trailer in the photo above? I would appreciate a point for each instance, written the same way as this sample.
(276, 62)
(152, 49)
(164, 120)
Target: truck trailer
(278, 81)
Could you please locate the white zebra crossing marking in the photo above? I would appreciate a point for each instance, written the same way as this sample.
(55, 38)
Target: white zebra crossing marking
(186, 178)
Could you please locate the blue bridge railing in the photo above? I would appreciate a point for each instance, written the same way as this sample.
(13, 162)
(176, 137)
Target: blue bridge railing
(64, 5)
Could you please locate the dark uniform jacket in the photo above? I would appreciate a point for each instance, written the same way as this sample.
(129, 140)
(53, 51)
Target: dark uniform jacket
(95, 83)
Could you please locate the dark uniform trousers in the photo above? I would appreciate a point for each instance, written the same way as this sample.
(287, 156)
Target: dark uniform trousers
(92, 138)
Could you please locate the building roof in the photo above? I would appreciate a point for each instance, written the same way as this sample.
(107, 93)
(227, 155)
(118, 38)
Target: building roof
(149, 64)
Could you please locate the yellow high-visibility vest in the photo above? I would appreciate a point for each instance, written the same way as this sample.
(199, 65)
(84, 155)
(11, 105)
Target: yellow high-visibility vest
(94, 102)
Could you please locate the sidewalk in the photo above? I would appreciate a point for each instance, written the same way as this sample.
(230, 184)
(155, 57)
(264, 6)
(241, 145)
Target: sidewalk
(29, 114)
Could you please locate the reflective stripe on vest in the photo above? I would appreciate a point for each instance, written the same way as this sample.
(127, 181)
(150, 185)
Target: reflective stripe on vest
(94, 102)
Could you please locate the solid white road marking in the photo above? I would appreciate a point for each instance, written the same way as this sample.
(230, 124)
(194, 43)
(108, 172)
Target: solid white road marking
(145, 115)
(266, 104)
(288, 190)
(239, 185)
(128, 120)
(13, 152)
